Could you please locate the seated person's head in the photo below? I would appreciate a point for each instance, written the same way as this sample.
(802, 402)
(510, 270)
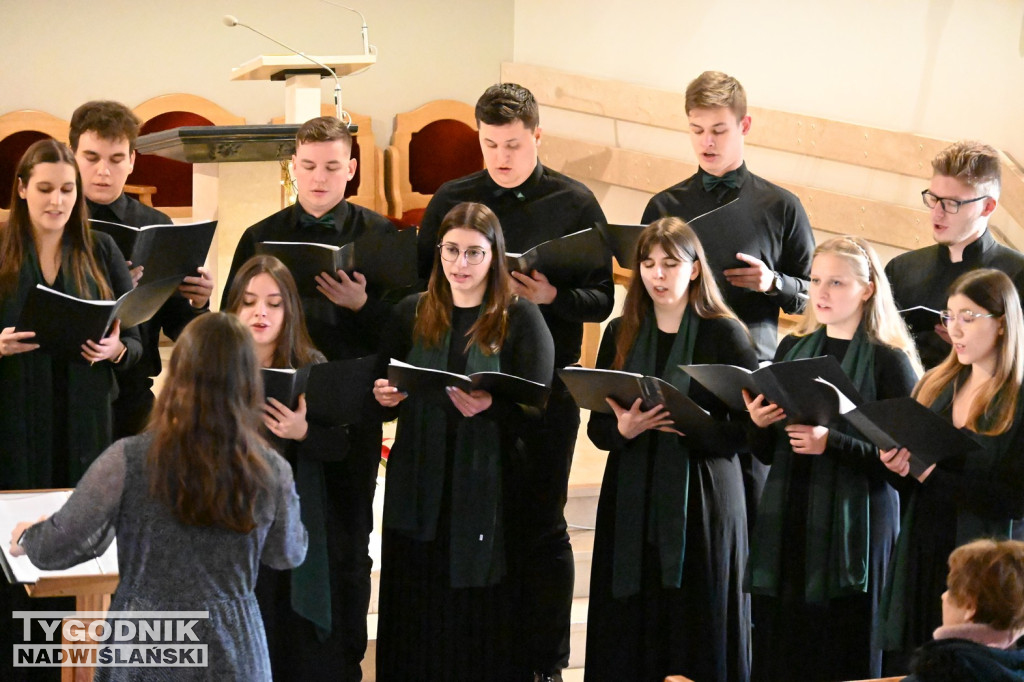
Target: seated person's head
(986, 585)
(323, 163)
(103, 136)
(716, 108)
(967, 175)
(508, 120)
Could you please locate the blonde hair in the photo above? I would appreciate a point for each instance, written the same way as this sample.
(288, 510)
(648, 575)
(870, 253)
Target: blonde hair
(972, 163)
(714, 90)
(881, 320)
(993, 291)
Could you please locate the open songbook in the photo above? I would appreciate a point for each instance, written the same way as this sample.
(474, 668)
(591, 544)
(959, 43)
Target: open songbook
(412, 379)
(63, 322)
(566, 261)
(906, 423)
(335, 391)
(16, 507)
(388, 260)
(921, 318)
(622, 239)
(175, 250)
(792, 385)
(590, 387)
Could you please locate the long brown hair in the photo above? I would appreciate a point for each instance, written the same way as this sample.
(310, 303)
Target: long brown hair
(882, 321)
(205, 462)
(679, 241)
(293, 348)
(434, 315)
(993, 291)
(17, 233)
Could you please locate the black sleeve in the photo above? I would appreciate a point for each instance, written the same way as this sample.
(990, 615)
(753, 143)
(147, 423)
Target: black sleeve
(603, 429)
(894, 378)
(592, 302)
(396, 342)
(761, 442)
(795, 263)
(120, 280)
(176, 313)
(245, 250)
(726, 342)
(653, 211)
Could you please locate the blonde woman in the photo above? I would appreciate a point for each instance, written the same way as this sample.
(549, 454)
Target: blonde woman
(828, 518)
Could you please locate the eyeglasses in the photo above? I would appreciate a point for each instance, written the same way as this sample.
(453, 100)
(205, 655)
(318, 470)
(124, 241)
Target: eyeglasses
(451, 252)
(948, 205)
(964, 316)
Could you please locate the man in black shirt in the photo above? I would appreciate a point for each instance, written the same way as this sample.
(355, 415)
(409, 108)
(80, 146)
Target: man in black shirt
(758, 243)
(962, 194)
(103, 135)
(535, 204)
(344, 323)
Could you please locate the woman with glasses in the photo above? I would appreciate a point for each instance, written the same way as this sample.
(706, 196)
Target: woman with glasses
(978, 388)
(828, 518)
(450, 593)
(666, 586)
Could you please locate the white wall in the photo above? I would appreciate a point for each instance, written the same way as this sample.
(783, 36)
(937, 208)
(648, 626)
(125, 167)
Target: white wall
(946, 68)
(56, 54)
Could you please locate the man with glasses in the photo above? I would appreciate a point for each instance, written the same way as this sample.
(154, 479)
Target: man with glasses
(535, 204)
(344, 323)
(962, 194)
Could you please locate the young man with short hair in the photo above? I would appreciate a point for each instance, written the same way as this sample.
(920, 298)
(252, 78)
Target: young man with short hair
(535, 204)
(102, 136)
(344, 323)
(961, 197)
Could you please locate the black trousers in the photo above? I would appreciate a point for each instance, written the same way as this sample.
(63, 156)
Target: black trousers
(549, 569)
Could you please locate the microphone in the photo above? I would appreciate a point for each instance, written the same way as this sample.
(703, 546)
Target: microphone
(364, 31)
(232, 21)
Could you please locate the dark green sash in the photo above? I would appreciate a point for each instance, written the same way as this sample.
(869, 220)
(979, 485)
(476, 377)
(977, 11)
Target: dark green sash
(311, 580)
(416, 475)
(838, 505)
(671, 476)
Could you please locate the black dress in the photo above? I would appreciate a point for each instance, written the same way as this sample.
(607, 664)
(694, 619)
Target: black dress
(831, 639)
(701, 629)
(428, 630)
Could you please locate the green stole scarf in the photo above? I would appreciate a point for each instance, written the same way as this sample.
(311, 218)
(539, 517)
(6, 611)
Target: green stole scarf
(30, 421)
(416, 475)
(311, 580)
(838, 505)
(969, 526)
(666, 528)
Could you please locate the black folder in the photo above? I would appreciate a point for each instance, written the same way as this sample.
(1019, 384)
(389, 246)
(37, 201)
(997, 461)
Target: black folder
(921, 319)
(791, 385)
(284, 385)
(163, 250)
(590, 387)
(335, 391)
(412, 379)
(63, 323)
(904, 422)
(566, 261)
(387, 260)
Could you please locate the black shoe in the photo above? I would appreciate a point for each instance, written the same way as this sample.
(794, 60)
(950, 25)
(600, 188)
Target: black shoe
(545, 677)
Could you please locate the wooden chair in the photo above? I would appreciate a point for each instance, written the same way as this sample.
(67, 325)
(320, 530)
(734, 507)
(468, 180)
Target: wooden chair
(18, 130)
(174, 178)
(366, 189)
(430, 145)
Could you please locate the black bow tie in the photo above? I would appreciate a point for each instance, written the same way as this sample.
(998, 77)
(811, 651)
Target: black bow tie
(325, 221)
(730, 180)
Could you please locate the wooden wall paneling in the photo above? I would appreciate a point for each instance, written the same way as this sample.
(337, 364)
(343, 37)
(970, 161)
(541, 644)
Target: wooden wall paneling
(833, 212)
